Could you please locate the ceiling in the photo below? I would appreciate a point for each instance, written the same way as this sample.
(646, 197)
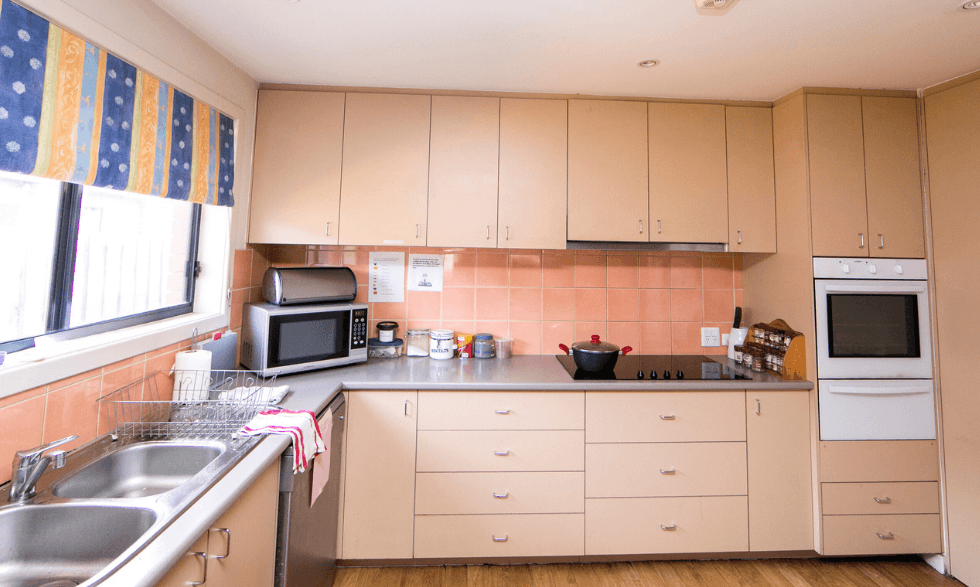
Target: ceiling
(756, 50)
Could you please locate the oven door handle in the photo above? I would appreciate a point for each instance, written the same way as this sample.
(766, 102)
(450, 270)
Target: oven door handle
(883, 289)
(879, 390)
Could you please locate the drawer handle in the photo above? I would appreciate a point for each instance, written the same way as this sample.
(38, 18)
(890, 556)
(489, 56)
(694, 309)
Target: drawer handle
(670, 528)
(886, 500)
(668, 472)
(227, 534)
(670, 417)
(501, 495)
(204, 571)
(501, 453)
(502, 412)
(495, 539)
(888, 536)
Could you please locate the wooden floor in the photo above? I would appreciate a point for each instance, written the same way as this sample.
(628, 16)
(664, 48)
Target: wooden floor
(756, 573)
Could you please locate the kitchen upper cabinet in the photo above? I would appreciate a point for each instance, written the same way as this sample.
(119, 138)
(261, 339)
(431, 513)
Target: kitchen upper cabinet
(688, 173)
(463, 171)
(296, 172)
(751, 180)
(607, 171)
(533, 197)
(384, 192)
(891, 158)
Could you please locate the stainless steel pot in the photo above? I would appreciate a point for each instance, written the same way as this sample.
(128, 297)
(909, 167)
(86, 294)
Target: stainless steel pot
(594, 355)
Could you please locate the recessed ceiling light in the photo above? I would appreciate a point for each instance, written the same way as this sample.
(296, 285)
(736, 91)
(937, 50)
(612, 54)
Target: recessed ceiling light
(971, 5)
(654, 62)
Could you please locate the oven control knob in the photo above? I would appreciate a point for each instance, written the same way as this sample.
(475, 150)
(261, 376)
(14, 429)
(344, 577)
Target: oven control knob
(898, 269)
(845, 268)
(873, 270)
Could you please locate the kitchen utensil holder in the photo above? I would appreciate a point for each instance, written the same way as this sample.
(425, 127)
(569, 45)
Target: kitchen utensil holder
(791, 355)
(145, 408)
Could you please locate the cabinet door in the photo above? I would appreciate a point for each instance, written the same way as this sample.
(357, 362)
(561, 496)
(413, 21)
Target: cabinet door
(463, 172)
(688, 173)
(379, 497)
(891, 157)
(607, 171)
(242, 543)
(780, 490)
(838, 206)
(751, 180)
(384, 191)
(533, 201)
(296, 173)
(191, 568)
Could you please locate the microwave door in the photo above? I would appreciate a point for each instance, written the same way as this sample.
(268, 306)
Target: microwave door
(308, 337)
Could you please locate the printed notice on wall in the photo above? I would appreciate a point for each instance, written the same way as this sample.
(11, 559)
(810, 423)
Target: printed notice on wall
(425, 272)
(386, 277)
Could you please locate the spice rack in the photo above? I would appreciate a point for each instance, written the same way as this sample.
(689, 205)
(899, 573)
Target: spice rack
(783, 350)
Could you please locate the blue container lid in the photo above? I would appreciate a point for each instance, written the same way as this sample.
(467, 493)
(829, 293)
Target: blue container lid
(484, 336)
(379, 342)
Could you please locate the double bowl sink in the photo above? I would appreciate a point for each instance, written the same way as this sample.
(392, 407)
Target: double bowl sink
(110, 500)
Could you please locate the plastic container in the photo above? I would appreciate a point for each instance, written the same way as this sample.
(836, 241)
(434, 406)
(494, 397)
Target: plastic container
(385, 349)
(441, 344)
(417, 342)
(483, 346)
(503, 347)
(387, 331)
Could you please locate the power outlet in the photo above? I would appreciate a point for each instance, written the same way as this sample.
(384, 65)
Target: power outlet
(711, 336)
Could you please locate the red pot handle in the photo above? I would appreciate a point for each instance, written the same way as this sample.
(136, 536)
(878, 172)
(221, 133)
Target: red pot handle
(564, 348)
(627, 349)
(595, 339)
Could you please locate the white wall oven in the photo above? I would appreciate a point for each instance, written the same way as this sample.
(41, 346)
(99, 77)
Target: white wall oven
(874, 353)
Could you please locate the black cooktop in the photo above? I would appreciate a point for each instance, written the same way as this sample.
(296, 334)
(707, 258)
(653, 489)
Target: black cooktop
(657, 368)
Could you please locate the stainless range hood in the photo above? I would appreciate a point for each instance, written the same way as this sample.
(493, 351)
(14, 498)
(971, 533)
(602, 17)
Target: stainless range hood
(627, 246)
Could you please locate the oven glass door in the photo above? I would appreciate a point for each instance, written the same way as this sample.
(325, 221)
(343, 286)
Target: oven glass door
(304, 338)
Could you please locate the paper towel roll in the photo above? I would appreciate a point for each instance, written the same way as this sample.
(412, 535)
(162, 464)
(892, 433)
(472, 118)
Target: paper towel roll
(192, 375)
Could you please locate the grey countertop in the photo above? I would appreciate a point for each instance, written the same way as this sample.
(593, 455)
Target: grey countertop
(314, 390)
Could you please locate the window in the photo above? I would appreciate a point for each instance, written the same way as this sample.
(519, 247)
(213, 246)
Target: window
(85, 260)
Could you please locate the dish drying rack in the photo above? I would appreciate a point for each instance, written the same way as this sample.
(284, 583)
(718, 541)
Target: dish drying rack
(192, 404)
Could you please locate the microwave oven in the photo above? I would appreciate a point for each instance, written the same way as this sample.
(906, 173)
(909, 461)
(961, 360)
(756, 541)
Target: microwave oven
(277, 340)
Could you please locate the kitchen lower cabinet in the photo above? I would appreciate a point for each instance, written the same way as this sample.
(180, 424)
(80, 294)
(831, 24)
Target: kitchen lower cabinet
(499, 536)
(239, 550)
(672, 416)
(872, 535)
(751, 180)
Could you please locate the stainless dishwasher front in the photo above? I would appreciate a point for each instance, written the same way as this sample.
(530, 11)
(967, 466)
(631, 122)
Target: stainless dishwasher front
(306, 546)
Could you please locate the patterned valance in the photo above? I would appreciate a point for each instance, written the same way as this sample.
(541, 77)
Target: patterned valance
(73, 112)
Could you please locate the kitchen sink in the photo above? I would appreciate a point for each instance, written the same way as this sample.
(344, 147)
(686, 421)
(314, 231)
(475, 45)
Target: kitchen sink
(139, 470)
(58, 545)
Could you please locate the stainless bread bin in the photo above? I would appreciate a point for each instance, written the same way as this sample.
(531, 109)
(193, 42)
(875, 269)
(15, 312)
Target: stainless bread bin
(308, 285)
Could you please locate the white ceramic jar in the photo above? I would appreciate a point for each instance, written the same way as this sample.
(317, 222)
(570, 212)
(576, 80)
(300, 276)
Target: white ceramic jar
(441, 344)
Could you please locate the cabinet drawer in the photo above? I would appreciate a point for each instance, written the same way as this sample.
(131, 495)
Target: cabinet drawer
(499, 493)
(880, 498)
(505, 535)
(476, 410)
(879, 460)
(666, 525)
(665, 469)
(909, 534)
(664, 416)
(552, 450)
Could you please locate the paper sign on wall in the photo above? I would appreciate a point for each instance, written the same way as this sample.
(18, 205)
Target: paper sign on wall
(386, 277)
(425, 272)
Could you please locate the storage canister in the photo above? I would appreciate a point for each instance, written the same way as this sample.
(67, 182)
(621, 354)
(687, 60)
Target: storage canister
(386, 331)
(378, 348)
(417, 342)
(483, 346)
(441, 344)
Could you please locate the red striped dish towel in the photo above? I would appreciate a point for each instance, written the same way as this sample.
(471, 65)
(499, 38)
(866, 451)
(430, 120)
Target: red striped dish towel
(301, 425)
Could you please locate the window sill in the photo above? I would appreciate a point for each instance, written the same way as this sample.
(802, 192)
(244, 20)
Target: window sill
(53, 361)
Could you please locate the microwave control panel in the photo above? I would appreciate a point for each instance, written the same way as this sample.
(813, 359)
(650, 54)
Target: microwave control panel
(358, 328)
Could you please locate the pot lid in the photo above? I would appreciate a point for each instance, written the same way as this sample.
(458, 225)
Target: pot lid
(595, 346)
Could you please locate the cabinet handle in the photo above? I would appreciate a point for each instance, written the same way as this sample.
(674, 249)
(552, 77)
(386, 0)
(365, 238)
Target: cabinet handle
(670, 417)
(406, 407)
(758, 407)
(881, 241)
(641, 227)
(887, 500)
(488, 232)
(668, 472)
(501, 453)
(495, 539)
(227, 534)
(204, 572)
(861, 234)
(888, 536)
(670, 528)
(501, 412)
(659, 228)
(739, 236)
(416, 231)
(506, 233)
(328, 229)
(501, 495)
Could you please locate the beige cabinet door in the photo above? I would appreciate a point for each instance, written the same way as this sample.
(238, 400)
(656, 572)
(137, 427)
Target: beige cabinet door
(688, 173)
(751, 180)
(465, 142)
(607, 171)
(379, 492)
(891, 158)
(296, 171)
(191, 569)
(780, 490)
(838, 206)
(533, 199)
(384, 190)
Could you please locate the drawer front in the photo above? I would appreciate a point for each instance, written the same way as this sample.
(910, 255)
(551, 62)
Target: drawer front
(897, 534)
(499, 493)
(879, 460)
(706, 416)
(665, 469)
(499, 410)
(525, 450)
(880, 498)
(508, 535)
(666, 525)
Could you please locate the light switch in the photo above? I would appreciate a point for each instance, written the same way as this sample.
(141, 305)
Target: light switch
(711, 336)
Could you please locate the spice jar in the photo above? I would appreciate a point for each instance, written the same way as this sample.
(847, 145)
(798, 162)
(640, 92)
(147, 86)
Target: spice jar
(483, 346)
(759, 361)
(441, 344)
(417, 342)
(386, 331)
(739, 349)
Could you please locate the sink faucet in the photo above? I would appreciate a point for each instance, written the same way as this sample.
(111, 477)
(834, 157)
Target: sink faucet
(30, 464)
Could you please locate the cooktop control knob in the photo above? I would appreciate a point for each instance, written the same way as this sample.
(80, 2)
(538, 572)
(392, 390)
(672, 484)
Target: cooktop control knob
(639, 374)
(872, 269)
(653, 373)
(666, 374)
(680, 374)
